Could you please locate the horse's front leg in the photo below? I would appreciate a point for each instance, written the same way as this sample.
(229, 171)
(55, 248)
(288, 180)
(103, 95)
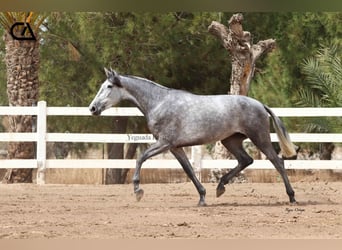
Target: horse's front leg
(155, 149)
(139, 193)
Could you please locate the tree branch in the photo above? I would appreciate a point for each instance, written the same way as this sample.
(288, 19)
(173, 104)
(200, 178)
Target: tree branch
(244, 54)
(261, 47)
(220, 31)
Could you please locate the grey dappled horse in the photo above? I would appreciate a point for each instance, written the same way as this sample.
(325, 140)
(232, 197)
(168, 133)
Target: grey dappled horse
(178, 118)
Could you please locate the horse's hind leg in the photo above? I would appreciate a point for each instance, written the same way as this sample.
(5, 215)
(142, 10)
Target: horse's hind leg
(184, 161)
(265, 145)
(234, 145)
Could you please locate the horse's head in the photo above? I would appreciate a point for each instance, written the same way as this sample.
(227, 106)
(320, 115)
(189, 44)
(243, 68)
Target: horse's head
(109, 94)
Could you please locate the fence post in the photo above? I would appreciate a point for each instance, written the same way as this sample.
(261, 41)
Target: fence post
(41, 142)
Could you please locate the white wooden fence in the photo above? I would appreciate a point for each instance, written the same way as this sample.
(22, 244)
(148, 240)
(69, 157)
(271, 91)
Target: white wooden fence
(41, 137)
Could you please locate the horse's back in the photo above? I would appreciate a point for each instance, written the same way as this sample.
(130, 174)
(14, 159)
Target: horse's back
(236, 106)
(205, 109)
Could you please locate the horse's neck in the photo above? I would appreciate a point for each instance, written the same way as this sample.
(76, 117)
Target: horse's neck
(144, 94)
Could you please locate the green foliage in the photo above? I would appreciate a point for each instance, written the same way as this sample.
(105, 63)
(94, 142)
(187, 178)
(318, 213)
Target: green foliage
(323, 79)
(271, 84)
(323, 85)
(298, 36)
(303, 35)
(173, 49)
(176, 50)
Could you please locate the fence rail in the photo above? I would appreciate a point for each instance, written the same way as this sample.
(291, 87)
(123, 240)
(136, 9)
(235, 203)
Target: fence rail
(41, 137)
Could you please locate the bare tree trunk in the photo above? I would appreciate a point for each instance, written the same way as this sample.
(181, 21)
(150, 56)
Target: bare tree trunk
(326, 150)
(22, 64)
(116, 151)
(130, 153)
(244, 55)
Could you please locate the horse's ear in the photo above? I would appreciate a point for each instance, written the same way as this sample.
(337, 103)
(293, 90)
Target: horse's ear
(113, 76)
(107, 72)
(113, 72)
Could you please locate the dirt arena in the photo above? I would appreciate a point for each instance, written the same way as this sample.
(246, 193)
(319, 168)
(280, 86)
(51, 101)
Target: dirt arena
(246, 210)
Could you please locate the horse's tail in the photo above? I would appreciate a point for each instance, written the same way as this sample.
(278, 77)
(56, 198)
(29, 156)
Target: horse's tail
(289, 150)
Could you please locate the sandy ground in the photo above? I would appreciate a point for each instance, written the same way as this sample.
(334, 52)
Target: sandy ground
(246, 210)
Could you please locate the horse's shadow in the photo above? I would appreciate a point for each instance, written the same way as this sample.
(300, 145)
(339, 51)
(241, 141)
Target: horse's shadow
(274, 204)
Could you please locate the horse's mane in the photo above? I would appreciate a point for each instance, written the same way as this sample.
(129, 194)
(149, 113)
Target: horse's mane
(146, 80)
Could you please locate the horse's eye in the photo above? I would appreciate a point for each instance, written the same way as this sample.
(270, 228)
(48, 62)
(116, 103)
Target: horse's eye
(110, 86)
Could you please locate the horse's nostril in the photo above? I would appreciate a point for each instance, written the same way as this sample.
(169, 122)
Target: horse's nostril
(93, 109)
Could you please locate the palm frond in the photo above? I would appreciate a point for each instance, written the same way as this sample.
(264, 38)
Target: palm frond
(74, 53)
(317, 127)
(323, 75)
(7, 19)
(37, 20)
(308, 98)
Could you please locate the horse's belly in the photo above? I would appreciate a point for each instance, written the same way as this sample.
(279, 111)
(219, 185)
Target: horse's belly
(199, 135)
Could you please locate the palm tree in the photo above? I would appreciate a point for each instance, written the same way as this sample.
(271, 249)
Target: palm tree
(22, 64)
(323, 89)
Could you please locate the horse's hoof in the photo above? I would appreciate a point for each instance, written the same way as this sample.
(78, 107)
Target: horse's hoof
(293, 201)
(220, 190)
(202, 204)
(139, 194)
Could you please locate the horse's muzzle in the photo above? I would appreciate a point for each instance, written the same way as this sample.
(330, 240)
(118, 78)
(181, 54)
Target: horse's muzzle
(94, 110)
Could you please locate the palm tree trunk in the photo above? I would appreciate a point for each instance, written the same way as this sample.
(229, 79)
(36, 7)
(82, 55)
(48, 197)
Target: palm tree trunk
(22, 64)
